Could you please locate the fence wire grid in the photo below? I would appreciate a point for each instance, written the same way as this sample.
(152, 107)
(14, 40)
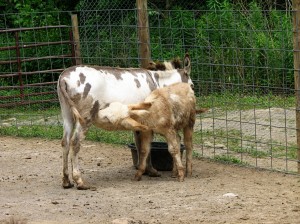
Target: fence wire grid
(242, 68)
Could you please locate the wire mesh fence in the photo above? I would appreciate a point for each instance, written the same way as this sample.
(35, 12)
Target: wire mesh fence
(242, 68)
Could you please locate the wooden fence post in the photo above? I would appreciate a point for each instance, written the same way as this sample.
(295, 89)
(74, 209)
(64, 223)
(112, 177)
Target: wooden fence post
(143, 31)
(144, 53)
(75, 31)
(296, 41)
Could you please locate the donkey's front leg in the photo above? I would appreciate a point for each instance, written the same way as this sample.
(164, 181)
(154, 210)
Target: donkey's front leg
(144, 143)
(143, 139)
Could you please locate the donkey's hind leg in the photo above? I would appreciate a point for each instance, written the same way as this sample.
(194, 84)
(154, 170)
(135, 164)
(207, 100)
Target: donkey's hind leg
(77, 137)
(174, 149)
(68, 129)
(188, 143)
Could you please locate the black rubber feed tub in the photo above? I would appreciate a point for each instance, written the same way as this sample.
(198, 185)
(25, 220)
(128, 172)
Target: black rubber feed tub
(160, 156)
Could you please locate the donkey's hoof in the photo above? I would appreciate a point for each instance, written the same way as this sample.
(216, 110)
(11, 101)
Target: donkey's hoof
(67, 185)
(83, 187)
(137, 178)
(174, 175)
(157, 174)
(180, 179)
(153, 173)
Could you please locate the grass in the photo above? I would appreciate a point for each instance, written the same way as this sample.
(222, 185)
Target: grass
(48, 132)
(230, 159)
(232, 101)
(55, 132)
(235, 142)
(223, 158)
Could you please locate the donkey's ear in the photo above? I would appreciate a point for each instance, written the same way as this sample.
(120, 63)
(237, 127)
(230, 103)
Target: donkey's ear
(187, 63)
(140, 106)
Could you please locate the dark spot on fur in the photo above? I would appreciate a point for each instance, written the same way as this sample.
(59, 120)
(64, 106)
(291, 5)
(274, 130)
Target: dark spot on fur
(152, 85)
(64, 142)
(103, 106)
(176, 62)
(118, 72)
(76, 98)
(95, 109)
(134, 73)
(86, 90)
(138, 84)
(160, 66)
(155, 66)
(151, 66)
(82, 78)
(156, 76)
(66, 86)
(76, 143)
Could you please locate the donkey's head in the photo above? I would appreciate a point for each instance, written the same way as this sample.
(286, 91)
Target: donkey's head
(170, 72)
(139, 111)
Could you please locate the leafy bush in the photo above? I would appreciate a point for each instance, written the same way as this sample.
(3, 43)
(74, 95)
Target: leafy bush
(246, 47)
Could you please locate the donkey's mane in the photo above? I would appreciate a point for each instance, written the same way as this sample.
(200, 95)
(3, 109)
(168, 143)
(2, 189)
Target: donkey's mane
(166, 65)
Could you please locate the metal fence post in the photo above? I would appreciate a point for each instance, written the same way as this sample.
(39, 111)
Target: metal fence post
(296, 41)
(19, 65)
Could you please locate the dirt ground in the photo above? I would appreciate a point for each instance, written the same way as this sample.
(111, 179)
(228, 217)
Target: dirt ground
(31, 192)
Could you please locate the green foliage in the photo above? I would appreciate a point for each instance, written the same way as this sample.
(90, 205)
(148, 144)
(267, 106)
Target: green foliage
(56, 131)
(172, 36)
(228, 101)
(246, 47)
(29, 13)
(110, 36)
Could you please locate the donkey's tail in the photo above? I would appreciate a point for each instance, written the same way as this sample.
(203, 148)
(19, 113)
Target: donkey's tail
(62, 90)
(201, 110)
